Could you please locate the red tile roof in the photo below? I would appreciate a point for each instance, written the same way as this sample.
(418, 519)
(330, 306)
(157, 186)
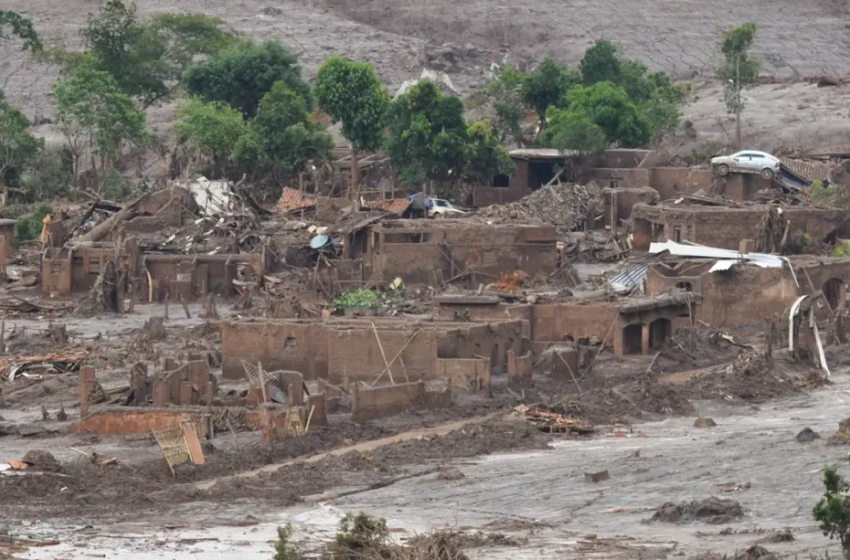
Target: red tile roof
(291, 200)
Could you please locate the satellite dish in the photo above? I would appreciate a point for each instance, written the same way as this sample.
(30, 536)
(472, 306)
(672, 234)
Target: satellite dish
(320, 241)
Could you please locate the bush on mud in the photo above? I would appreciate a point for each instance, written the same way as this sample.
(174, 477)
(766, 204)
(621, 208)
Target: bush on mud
(833, 509)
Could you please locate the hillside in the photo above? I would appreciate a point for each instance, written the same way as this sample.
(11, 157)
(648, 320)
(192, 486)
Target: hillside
(463, 37)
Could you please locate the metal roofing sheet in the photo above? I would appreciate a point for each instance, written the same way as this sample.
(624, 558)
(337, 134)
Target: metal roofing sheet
(763, 260)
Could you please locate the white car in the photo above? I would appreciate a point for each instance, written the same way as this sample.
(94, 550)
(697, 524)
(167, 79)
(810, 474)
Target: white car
(747, 161)
(443, 208)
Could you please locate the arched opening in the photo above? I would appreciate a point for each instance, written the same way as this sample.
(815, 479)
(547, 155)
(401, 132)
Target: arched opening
(632, 336)
(687, 286)
(835, 292)
(659, 331)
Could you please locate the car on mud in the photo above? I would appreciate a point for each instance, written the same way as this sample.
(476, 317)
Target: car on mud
(747, 161)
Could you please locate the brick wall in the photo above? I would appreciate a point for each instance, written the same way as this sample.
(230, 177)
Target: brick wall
(519, 370)
(564, 321)
(672, 182)
(127, 420)
(469, 374)
(301, 347)
(378, 402)
(619, 178)
(354, 355)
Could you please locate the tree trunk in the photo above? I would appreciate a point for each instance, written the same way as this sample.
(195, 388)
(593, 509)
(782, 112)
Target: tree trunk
(738, 129)
(355, 179)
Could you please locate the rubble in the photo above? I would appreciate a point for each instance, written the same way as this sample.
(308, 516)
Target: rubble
(38, 366)
(711, 510)
(554, 423)
(564, 206)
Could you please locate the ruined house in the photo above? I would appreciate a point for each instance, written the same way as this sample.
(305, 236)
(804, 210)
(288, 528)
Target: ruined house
(725, 227)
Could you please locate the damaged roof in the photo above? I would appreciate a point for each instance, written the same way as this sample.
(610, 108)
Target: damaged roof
(396, 206)
(291, 200)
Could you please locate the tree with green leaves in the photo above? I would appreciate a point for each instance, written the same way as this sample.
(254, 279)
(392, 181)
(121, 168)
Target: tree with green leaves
(17, 144)
(352, 94)
(96, 117)
(485, 157)
(546, 86)
(427, 135)
(146, 59)
(609, 107)
(504, 91)
(601, 63)
(572, 133)
(210, 130)
(282, 138)
(739, 70)
(833, 509)
(242, 74)
(15, 24)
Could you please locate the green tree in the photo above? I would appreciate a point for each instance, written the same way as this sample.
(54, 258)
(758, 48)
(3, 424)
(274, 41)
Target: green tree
(147, 59)
(281, 138)
(609, 107)
(95, 116)
(242, 74)
(485, 156)
(739, 70)
(20, 26)
(210, 130)
(601, 63)
(427, 135)
(17, 145)
(833, 509)
(572, 132)
(546, 86)
(352, 93)
(505, 94)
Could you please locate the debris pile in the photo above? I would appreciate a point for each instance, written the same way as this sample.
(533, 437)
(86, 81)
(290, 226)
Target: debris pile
(554, 423)
(712, 510)
(38, 366)
(752, 377)
(564, 206)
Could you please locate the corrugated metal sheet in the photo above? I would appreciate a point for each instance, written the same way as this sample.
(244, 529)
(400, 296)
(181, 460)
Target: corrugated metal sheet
(291, 200)
(699, 251)
(633, 275)
(809, 170)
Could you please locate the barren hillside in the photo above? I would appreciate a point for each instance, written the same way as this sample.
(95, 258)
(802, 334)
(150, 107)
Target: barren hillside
(796, 39)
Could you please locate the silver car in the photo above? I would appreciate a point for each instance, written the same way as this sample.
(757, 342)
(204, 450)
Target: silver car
(747, 161)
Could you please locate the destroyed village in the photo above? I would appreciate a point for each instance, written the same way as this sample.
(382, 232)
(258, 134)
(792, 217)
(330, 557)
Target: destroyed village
(405, 280)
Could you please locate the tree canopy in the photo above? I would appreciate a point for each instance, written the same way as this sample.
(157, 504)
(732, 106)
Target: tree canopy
(739, 69)
(601, 63)
(281, 137)
(210, 129)
(242, 74)
(427, 134)
(485, 156)
(94, 114)
(609, 107)
(352, 93)
(148, 59)
(546, 86)
(573, 133)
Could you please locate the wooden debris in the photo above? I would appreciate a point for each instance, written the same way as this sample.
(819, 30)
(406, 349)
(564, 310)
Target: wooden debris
(18, 465)
(554, 423)
(596, 476)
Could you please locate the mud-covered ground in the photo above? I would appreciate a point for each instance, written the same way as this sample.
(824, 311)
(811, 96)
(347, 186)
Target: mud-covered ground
(527, 500)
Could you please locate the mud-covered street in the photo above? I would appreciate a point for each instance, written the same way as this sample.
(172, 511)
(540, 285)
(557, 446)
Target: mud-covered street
(529, 503)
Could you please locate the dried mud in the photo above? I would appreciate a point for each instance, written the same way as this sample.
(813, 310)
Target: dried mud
(118, 490)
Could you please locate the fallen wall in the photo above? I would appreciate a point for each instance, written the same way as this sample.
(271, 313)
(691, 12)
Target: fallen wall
(126, 420)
